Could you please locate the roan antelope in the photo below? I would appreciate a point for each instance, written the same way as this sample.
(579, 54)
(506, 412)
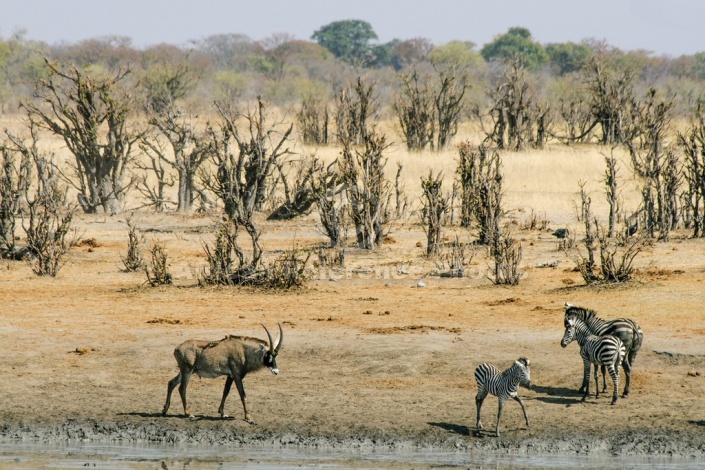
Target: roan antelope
(233, 356)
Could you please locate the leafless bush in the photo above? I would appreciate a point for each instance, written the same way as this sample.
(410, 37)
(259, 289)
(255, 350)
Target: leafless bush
(134, 259)
(244, 167)
(355, 106)
(616, 255)
(15, 179)
(414, 108)
(323, 182)
(435, 205)
(331, 257)
(692, 142)
(481, 189)
(312, 121)
(159, 274)
(221, 263)
(288, 271)
(506, 253)
(655, 163)
(535, 222)
(454, 257)
(362, 173)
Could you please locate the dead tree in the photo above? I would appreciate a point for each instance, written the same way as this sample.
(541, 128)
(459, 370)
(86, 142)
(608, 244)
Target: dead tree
(322, 182)
(355, 106)
(611, 192)
(15, 180)
(90, 115)
(362, 174)
(452, 86)
(435, 205)
(189, 151)
(480, 182)
(517, 120)
(312, 120)
(611, 98)
(692, 142)
(244, 166)
(415, 110)
(654, 163)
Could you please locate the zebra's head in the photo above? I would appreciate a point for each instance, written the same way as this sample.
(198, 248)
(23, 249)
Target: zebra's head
(569, 335)
(524, 371)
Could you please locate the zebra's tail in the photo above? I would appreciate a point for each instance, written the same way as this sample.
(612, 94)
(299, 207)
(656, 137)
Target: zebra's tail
(638, 339)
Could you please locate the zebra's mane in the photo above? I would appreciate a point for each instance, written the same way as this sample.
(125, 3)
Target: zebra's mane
(585, 314)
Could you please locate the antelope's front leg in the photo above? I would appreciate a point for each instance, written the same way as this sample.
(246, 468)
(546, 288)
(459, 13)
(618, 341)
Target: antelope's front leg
(226, 391)
(241, 391)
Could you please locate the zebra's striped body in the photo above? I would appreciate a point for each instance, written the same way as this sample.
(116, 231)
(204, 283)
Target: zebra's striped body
(503, 385)
(628, 331)
(607, 351)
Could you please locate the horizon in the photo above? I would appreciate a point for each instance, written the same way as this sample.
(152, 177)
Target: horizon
(660, 28)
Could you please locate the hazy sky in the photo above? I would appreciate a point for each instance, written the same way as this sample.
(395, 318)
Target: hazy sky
(671, 27)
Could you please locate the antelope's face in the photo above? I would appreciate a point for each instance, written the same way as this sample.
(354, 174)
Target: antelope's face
(270, 361)
(569, 334)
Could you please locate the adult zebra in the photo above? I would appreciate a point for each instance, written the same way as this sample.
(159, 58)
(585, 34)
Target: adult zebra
(606, 351)
(501, 384)
(628, 331)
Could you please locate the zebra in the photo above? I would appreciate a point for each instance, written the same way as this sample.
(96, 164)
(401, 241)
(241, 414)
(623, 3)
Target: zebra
(501, 384)
(628, 331)
(604, 350)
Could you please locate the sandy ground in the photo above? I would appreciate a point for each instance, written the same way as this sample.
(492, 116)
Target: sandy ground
(368, 359)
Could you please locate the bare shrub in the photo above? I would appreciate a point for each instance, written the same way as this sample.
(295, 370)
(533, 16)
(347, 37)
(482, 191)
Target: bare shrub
(506, 253)
(435, 205)
(362, 173)
(535, 221)
(331, 257)
(617, 257)
(288, 271)
(221, 256)
(15, 179)
(134, 259)
(454, 258)
(242, 176)
(159, 274)
(481, 189)
(355, 106)
(323, 181)
(692, 142)
(312, 121)
(414, 108)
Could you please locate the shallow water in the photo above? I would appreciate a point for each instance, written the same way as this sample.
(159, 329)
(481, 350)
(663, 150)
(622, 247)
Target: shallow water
(30, 455)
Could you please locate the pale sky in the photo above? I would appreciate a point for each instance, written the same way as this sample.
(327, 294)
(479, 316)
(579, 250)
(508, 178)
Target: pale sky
(664, 27)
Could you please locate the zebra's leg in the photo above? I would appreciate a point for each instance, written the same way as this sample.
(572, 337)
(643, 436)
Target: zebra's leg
(523, 408)
(586, 378)
(604, 379)
(627, 365)
(614, 373)
(499, 416)
(582, 386)
(597, 380)
(479, 398)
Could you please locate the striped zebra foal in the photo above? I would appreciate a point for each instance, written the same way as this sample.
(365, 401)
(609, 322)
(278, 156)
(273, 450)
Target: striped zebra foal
(605, 350)
(501, 384)
(628, 331)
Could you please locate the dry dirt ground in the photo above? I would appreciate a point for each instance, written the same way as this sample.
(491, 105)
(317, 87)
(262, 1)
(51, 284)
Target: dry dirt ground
(368, 358)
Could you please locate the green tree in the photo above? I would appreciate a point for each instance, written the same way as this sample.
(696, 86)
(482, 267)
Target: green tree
(568, 57)
(348, 40)
(516, 42)
(455, 55)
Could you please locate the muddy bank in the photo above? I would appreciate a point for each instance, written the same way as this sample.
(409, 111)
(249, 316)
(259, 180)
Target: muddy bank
(679, 446)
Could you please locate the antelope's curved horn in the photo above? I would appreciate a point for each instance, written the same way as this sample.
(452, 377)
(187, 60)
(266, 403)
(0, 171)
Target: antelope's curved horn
(271, 347)
(278, 344)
